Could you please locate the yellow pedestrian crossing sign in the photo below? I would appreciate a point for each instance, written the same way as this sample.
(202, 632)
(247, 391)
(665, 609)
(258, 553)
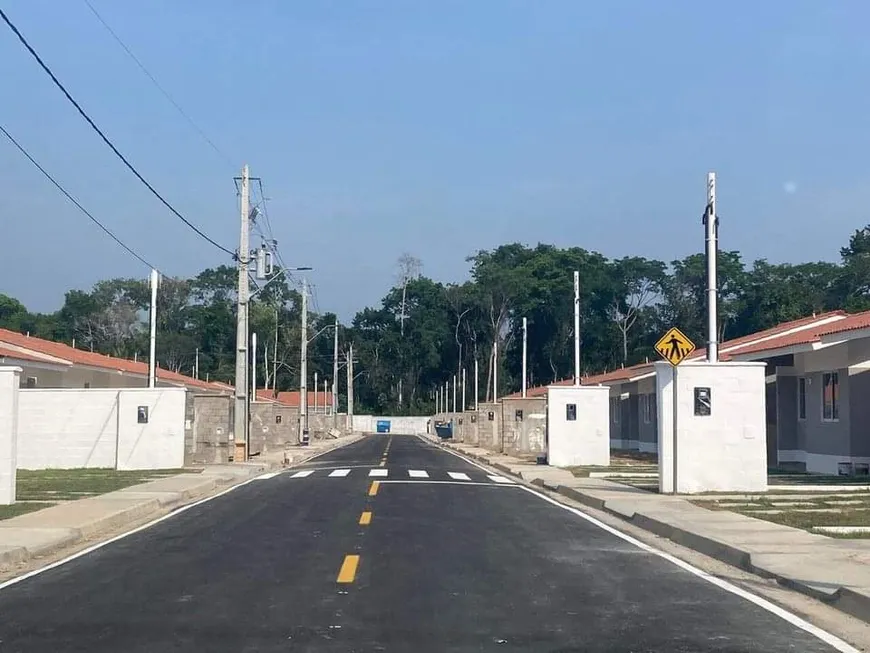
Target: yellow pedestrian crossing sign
(674, 346)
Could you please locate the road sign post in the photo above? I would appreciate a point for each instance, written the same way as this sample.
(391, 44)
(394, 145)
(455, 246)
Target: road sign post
(674, 347)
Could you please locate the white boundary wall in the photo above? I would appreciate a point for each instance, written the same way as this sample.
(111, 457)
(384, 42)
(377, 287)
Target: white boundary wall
(70, 428)
(405, 424)
(9, 381)
(584, 440)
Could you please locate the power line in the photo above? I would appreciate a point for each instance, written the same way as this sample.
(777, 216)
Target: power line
(106, 139)
(165, 93)
(71, 198)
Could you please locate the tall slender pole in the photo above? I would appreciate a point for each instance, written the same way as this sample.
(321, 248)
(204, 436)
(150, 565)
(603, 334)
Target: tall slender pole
(495, 371)
(303, 368)
(275, 356)
(152, 361)
(315, 393)
(324, 395)
(576, 327)
(476, 386)
(454, 393)
(254, 366)
(464, 404)
(711, 225)
(196, 365)
(335, 373)
(525, 352)
(240, 414)
(446, 394)
(350, 387)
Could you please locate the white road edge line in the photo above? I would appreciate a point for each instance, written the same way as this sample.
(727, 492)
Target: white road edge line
(154, 522)
(793, 619)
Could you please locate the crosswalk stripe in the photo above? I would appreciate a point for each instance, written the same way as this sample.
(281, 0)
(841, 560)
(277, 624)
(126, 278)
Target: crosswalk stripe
(498, 479)
(417, 473)
(458, 476)
(303, 473)
(340, 472)
(378, 472)
(266, 476)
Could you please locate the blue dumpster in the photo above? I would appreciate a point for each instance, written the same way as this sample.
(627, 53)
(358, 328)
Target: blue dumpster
(383, 426)
(444, 430)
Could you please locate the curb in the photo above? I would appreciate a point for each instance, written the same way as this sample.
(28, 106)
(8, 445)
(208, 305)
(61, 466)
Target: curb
(841, 598)
(54, 542)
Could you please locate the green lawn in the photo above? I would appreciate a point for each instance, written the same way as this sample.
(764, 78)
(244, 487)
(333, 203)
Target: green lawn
(71, 484)
(7, 512)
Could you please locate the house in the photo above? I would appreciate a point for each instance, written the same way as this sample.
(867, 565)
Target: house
(48, 364)
(317, 400)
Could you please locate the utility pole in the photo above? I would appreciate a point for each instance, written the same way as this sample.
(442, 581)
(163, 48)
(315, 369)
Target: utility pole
(335, 375)
(196, 365)
(476, 388)
(454, 393)
(464, 404)
(275, 356)
(576, 327)
(711, 228)
(254, 366)
(240, 415)
(315, 393)
(303, 368)
(495, 370)
(525, 351)
(152, 361)
(324, 396)
(350, 387)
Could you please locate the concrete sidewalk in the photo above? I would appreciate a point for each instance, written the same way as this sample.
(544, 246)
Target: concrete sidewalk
(52, 529)
(836, 571)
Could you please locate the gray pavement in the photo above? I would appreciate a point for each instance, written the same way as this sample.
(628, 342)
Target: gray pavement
(388, 544)
(834, 570)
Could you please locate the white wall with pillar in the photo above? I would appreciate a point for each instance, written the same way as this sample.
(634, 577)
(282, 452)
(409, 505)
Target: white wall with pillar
(578, 425)
(10, 379)
(721, 435)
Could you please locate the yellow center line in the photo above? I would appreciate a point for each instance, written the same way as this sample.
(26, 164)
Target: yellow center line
(366, 518)
(348, 569)
(373, 490)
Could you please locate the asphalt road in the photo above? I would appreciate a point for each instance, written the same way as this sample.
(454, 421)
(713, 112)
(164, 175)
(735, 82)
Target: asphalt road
(450, 558)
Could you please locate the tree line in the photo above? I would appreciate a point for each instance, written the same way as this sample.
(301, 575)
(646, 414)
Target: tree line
(424, 331)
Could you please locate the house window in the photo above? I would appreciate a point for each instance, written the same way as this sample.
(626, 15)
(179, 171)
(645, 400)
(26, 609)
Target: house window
(614, 410)
(646, 408)
(830, 397)
(31, 382)
(802, 397)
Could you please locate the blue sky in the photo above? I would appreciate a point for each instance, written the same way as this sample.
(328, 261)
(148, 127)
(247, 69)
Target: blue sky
(432, 127)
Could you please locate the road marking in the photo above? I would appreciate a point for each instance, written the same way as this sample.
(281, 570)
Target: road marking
(266, 476)
(466, 483)
(366, 518)
(340, 472)
(348, 569)
(785, 615)
(417, 473)
(378, 472)
(147, 525)
(383, 463)
(498, 479)
(373, 490)
(458, 476)
(303, 473)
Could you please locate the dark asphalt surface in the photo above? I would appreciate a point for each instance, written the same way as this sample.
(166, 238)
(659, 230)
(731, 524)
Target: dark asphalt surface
(447, 566)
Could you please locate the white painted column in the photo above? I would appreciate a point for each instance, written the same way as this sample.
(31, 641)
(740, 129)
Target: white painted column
(10, 379)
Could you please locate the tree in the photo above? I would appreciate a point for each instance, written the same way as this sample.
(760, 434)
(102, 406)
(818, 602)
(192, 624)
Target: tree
(640, 284)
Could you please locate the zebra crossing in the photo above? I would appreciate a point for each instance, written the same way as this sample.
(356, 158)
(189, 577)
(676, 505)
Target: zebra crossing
(384, 473)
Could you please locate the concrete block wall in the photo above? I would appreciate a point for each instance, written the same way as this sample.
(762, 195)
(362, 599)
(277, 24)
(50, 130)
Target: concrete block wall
(405, 424)
(73, 428)
(273, 427)
(524, 423)
(9, 382)
(489, 417)
(212, 425)
(584, 437)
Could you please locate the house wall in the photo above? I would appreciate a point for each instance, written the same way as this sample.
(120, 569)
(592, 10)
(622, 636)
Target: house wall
(524, 436)
(859, 412)
(9, 392)
(70, 428)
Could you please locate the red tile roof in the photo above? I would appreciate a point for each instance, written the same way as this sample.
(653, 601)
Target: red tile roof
(72, 356)
(19, 353)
